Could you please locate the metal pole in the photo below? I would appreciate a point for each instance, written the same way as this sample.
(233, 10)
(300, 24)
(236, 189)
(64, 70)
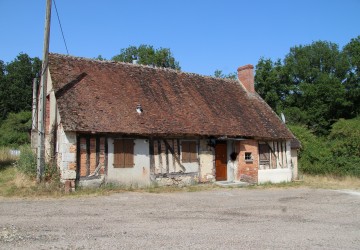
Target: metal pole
(42, 100)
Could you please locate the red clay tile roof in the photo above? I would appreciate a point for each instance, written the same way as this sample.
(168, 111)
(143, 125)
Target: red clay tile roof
(102, 96)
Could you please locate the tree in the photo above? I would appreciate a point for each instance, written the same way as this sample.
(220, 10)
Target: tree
(316, 73)
(147, 55)
(270, 83)
(352, 83)
(219, 74)
(16, 80)
(315, 85)
(14, 131)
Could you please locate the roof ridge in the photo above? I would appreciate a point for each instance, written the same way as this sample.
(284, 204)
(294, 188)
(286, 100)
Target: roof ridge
(143, 66)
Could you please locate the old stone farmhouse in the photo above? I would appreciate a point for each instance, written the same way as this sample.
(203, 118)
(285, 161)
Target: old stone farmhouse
(110, 122)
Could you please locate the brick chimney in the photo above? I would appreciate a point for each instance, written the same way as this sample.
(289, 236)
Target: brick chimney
(246, 77)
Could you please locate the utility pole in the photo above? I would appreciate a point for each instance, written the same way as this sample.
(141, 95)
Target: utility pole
(42, 99)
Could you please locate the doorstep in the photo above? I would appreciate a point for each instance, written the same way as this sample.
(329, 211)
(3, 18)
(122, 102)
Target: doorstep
(232, 183)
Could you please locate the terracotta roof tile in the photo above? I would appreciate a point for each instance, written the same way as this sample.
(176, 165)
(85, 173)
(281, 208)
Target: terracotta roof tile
(102, 96)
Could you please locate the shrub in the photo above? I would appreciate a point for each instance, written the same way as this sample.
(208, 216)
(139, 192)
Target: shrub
(345, 147)
(338, 154)
(14, 131)
(27, 161)
(27, 164)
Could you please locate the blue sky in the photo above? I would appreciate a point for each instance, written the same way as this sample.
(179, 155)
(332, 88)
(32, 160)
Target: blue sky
(203, 35)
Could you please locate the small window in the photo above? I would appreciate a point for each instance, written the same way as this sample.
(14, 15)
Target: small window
(123, 153)
(248, 156)
(188, 151)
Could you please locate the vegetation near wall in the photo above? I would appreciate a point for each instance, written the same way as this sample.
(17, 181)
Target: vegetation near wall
(336, 154)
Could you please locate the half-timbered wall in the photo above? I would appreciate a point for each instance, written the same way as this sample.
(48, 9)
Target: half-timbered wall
(274, 162)
(91, 156)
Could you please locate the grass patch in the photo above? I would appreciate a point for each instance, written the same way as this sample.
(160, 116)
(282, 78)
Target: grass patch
(14, 183)
(6, 159)
(332, 182)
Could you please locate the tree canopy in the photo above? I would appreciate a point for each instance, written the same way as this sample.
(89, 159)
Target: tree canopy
(16, 80)
(147, 55)
(314, 85)
(218, 73)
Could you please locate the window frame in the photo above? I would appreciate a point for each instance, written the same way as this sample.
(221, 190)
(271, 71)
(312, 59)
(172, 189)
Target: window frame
(248, 157)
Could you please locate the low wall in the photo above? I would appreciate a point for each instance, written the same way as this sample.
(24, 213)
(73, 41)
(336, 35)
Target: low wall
(274, 175)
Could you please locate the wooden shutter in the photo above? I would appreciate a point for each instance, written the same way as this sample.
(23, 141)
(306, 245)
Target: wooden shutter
(185, 151)
(192, 150)
(128, 153)
(123, 153)
(188, 151)
(118, 153)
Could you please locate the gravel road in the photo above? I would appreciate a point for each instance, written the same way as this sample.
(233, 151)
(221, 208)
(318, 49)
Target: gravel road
(295, 218)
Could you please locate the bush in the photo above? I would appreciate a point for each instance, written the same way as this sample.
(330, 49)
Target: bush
(345, 147)
(315, 155)
(338, 154)
(14, 131)
(27, 161)
(27, 164)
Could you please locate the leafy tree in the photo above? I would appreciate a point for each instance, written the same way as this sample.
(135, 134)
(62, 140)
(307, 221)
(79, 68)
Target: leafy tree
(219, 74)
(100, 58)
(14, 131)
(147, 55)
(315, 85)
(352, 83)
(270, 83)
(316, 73)
(16, 80)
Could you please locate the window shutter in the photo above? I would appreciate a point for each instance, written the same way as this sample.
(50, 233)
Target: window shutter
(128, 153)
(118, 155)
(185, 151)
(123, 153)
(192, 150)
(188, 151)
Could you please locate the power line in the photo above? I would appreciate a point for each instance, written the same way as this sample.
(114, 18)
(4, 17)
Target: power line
(57, 14)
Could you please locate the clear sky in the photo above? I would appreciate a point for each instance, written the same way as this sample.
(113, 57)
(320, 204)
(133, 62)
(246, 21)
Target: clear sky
(204, 35)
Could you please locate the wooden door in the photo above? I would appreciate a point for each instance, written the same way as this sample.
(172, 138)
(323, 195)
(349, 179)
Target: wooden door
(220, 162)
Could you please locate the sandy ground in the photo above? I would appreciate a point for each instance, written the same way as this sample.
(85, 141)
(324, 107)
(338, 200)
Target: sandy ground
(295, 218)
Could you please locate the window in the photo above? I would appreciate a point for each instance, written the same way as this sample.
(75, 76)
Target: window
(248, 156)
(188, 151)
(123, 153)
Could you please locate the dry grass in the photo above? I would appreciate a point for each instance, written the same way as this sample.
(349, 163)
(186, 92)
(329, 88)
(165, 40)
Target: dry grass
(14, 183)
(331, 182)
(6, 158)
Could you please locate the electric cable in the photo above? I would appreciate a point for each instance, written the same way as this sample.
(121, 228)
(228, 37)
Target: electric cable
(57, 13)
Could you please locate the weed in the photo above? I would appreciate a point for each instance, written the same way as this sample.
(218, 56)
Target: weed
(6, 158)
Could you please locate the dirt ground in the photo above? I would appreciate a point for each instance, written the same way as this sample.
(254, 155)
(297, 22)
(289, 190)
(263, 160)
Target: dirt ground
(294, 218)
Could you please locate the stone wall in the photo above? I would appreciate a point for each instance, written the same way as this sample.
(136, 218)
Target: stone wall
(66, 156)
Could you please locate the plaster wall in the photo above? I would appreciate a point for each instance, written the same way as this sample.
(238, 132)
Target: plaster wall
(207, 162)
(139, 175)
(274, 175)
(294, 161)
